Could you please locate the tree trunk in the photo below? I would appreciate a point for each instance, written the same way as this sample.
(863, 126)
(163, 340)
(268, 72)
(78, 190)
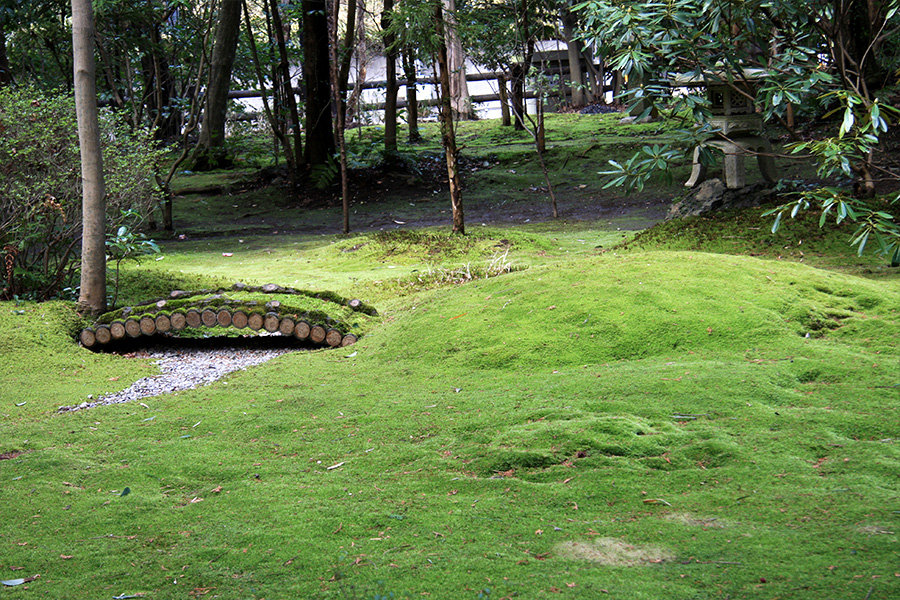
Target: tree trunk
(459, 89)
(6, 77)
(576, 76)
(390, 93)
(287, 87)
(344, 58)
(412, 98)
(274, 121)
(211, 153)
(618, 84)
(448, 135)
(319, 134)
(597, 77)
(92, 298)
(340, 117)
(504, 100)
(518, 96)
(352, 103)
(158, 87)
(520, 70)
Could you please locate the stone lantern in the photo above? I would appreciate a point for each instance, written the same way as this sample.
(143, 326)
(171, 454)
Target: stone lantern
(738, 125)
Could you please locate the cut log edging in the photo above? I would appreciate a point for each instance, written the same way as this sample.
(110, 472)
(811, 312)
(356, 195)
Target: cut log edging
(290, 325)
(184, 312)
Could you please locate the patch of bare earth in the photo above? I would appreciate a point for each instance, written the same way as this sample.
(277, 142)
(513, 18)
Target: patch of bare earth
(694, 521)
(613, 552)
(875, 530)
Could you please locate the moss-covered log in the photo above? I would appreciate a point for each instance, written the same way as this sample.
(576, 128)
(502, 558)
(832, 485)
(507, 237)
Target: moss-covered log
(274, 314)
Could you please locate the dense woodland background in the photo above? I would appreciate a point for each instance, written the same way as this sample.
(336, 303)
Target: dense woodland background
(167, 73)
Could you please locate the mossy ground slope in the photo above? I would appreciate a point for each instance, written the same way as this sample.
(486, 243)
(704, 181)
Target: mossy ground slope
(647, 425)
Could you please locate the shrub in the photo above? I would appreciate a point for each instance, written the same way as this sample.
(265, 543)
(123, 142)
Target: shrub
(40, 188)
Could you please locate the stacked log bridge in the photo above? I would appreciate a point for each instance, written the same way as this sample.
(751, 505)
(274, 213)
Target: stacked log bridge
(271, 322)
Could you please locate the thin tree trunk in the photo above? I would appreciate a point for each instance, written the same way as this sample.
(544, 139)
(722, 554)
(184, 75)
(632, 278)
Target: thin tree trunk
(340, 116)
(520, 70)
(352, 103)
(448, 135)
(188, 129)
(502, 90)
(280, 136)
(345, 58)
(390, 93)
(596, 77)
(287, 87)
(92, 297)
(6, 77)
(412, 97)
(618, 85)
(211, 151)
(540, 144)
(459, 90)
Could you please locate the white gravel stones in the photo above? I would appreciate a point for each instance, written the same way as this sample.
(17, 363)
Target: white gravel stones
(185, 368)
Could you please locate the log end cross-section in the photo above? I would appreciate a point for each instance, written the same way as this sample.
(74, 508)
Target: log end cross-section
(180, 320)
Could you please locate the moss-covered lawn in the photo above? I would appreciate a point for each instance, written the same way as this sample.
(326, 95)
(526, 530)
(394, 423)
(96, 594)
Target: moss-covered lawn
(636, 423)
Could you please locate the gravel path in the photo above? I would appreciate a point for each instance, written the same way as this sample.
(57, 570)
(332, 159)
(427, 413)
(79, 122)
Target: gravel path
(188, 365)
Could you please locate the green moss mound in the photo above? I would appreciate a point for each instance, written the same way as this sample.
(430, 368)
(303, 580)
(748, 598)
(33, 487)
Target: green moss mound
(615, 308)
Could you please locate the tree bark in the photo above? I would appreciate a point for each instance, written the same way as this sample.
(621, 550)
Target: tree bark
(211, 151)
(503, 92)
(287, 87)
(456, 58)
(319, 134)
(92, 297)
(576, 75)
(344, 58)
(448, 135)
(352, 102)
(390, 92)
(340, 117)
(412, 99)
(6, 77)
(274, 122)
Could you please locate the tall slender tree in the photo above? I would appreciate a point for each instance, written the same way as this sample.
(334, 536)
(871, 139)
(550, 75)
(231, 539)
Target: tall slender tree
(391, 88)
(448, 133)
(5, 73)
(456, 58)
(211, 152)
(319, 132)
(92, 298)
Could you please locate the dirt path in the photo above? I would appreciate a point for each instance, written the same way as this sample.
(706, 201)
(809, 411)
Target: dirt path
(386, 203)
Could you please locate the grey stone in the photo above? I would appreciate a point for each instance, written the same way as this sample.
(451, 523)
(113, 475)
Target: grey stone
(712, 195)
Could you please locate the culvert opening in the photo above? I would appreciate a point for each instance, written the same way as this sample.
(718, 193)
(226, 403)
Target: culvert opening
(199, 337)
(193, 323)
(190, 363)
(316, 318)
